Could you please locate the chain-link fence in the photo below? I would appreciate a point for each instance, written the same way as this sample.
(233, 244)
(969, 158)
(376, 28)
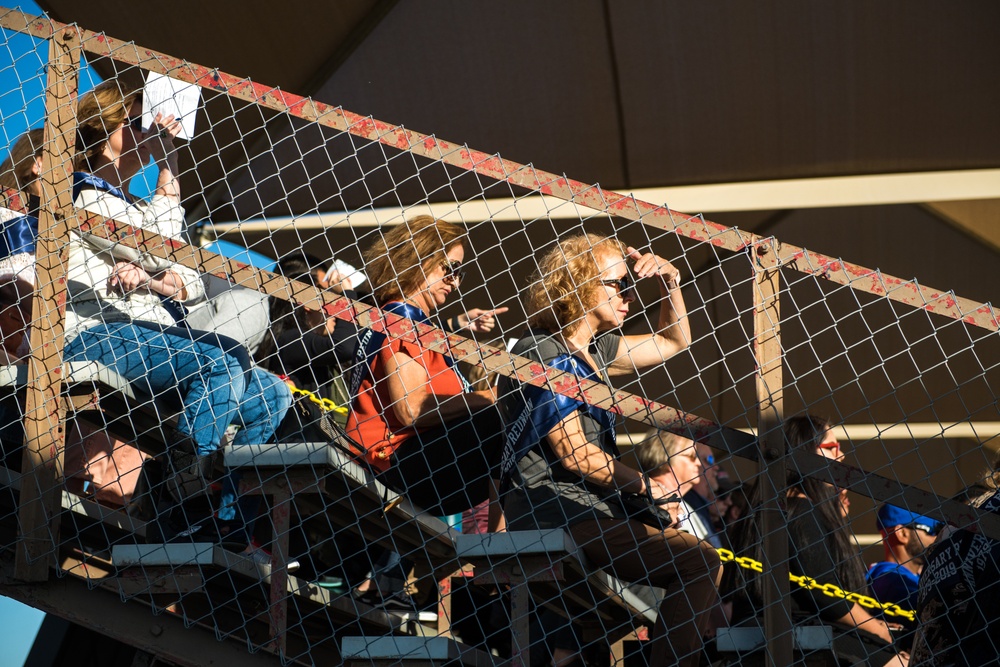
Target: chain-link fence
(480, 415)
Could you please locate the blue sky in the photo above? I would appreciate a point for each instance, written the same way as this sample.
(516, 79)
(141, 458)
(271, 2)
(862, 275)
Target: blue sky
(22, 90)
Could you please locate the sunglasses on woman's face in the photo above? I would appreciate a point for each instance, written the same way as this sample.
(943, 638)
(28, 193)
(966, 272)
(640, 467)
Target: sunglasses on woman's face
(453, 271)
(624, 285)
(135, 124)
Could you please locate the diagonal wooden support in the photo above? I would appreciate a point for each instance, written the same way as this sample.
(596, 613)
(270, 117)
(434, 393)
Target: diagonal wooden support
(44, 423)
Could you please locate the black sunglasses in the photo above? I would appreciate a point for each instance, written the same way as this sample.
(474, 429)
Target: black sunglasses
(135, 124)
(624, 285)
(453, 271)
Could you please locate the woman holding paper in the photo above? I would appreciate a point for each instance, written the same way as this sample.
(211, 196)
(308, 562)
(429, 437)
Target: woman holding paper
(122, 305)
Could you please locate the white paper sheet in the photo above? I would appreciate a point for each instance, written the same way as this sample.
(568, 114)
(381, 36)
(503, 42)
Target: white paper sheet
(170, 97)
(356, 277)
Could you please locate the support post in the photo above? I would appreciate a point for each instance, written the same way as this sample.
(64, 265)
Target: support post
(45, 414)
(770, 415)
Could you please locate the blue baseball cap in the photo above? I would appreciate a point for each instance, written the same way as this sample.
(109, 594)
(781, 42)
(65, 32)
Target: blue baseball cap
(890, 516)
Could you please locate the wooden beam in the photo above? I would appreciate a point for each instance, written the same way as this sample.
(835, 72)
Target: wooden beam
(45, 414)
(977, 218)
(770, 416)
(164, 635)
(962, 187)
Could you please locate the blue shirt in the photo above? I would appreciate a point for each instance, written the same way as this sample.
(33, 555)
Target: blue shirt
(892, 582)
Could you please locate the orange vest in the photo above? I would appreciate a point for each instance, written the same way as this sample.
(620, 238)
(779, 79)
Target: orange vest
(372, 423)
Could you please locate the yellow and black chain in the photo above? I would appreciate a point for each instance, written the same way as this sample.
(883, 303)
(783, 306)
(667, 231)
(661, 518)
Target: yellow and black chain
(325, 404)
(830, 590)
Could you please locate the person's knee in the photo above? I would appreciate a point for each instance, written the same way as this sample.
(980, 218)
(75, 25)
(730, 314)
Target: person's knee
(712, 561)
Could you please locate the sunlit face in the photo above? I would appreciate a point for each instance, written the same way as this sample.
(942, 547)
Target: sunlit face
(686, 466)
(440, 281)
(612, 304)
(830, 448)
(124, 147)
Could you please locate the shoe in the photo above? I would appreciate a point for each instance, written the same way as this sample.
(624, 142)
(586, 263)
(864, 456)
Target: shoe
(259, 554)
(397, 603)
(188, 474)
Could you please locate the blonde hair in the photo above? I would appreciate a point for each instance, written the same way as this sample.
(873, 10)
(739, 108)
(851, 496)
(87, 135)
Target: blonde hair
(656, 451)
(16, 172)
(565, 286)
(100, 112)
(398, 262)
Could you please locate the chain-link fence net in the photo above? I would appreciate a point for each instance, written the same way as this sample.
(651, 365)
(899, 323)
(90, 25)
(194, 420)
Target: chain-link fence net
(305, 448)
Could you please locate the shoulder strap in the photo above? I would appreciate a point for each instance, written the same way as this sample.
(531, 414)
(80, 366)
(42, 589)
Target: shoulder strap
(371, 342)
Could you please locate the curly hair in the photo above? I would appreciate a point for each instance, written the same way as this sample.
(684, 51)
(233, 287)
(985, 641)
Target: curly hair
(100, 112)
(565, 287)
(398, 262)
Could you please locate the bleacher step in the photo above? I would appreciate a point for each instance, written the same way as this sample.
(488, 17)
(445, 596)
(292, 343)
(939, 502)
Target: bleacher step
(413, 651)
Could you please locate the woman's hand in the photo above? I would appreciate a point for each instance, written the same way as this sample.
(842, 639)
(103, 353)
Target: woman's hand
(479, 320)
(648, 265)
(159, 138)
(127, 277)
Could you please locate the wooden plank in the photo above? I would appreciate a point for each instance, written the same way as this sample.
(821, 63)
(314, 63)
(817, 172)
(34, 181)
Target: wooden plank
(166, 635)
(44, 422)
(770, 415)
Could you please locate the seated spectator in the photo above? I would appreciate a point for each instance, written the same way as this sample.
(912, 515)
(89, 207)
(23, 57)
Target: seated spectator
(958, 610)
(905, 537)
(19, 190)
(562, 470)
(672, 461)
(122, 307)
(304, 344)
(701, 495)
(819, 546)
(412, 414)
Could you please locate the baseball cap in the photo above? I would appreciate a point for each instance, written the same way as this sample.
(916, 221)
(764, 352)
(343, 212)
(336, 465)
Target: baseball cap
(891, 515)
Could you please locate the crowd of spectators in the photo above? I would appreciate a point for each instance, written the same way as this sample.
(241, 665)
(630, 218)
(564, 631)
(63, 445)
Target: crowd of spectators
(521, 456)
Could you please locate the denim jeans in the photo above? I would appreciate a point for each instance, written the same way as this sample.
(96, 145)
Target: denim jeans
(210, 377)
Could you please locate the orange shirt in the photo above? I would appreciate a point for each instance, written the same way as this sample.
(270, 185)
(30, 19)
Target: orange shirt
(372, 423)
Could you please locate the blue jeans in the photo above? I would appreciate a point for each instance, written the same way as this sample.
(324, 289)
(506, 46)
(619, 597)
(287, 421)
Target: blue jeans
(210, 377)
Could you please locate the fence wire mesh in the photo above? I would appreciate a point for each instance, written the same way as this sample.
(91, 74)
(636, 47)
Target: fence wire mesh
(265, 381)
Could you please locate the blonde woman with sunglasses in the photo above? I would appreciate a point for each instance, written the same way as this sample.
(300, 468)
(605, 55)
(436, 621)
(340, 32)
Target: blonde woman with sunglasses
(561, 465)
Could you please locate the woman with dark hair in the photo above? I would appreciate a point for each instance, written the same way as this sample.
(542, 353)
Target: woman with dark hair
(561, 463)
(820, 546)
(412, 412)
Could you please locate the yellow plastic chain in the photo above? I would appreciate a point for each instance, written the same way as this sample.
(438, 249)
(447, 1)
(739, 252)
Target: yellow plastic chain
(830, 590)
(325, 404)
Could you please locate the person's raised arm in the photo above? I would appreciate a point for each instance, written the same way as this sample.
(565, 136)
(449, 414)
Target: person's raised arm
(160, 139)
(412, 401)
(569, 442)
(673, 331)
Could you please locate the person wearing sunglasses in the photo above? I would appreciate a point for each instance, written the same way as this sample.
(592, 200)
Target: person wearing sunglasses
(413, 414)
(906, 536)
(562, 468)
(820, 546)
(124, 308)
